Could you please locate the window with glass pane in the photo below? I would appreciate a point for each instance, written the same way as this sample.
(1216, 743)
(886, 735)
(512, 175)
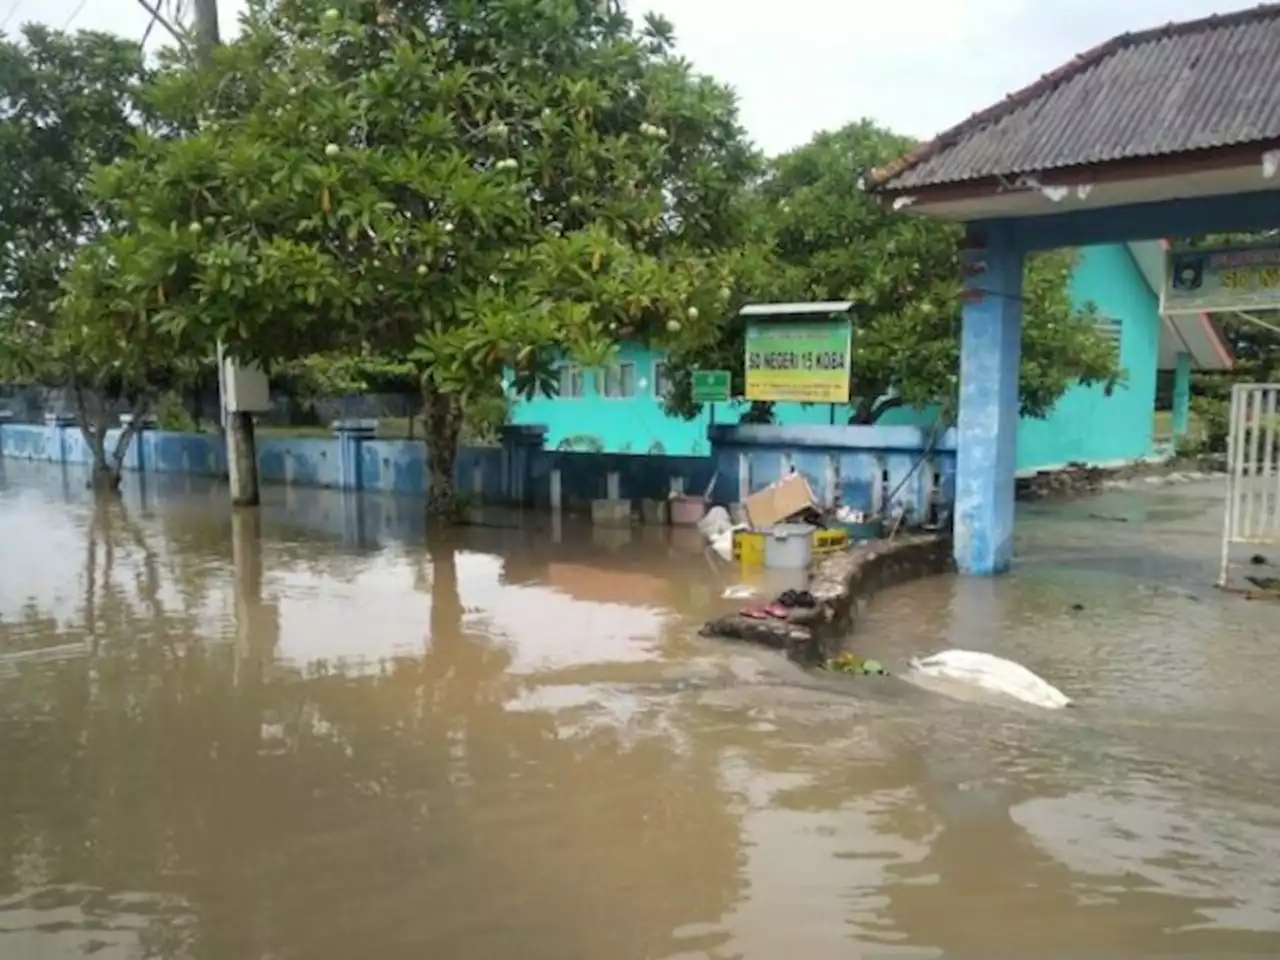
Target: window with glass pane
(620, 380)
(661, 381)
(571, 381)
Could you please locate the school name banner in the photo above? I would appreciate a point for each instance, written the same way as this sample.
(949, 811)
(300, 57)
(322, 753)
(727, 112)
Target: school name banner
(804, 361)
(1222, 279)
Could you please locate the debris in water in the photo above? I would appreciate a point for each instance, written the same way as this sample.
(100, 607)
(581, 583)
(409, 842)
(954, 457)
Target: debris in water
(853, 665)
(993, 673)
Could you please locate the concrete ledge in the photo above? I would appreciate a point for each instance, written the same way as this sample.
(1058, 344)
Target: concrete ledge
(840, 583)
(1080, 480)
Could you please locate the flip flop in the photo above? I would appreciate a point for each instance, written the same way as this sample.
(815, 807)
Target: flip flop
(805, 600)
(789, 598)
(755, 613)
(777, 611)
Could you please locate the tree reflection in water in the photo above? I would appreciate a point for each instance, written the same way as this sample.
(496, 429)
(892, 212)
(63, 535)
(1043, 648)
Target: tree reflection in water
(206, 799)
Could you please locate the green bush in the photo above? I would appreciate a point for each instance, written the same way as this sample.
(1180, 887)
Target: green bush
(1213, 415)
(172, 414)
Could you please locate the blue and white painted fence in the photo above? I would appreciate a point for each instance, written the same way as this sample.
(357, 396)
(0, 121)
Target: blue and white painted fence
(861, 467)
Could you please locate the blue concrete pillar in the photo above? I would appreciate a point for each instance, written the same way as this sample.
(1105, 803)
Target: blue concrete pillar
(520, 443)
(351, 435)
(1181, 395)
(61, 424)
(6, 416)
(987, 434)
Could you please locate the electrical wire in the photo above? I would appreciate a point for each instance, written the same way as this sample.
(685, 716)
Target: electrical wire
(13, 8)
(75, 13)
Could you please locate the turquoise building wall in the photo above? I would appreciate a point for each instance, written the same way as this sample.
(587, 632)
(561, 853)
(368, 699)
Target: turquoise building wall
(1085, 425)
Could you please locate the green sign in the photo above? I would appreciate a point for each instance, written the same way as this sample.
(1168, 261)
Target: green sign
(711, 386)
(798, 360)
(1222, 279)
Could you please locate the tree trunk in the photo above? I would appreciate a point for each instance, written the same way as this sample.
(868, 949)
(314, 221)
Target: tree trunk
(105, 470)
(102, 478)
(123, 441)
(442, 416)
(760, 411)
(868, 411)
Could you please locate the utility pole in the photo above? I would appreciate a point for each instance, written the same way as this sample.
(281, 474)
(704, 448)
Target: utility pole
(207, 35)
(237, 423)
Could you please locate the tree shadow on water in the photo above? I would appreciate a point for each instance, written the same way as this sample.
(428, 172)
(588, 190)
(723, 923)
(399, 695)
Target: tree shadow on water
(250, 808)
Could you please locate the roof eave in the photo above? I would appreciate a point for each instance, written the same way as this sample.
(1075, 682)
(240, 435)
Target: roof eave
(1164, 167)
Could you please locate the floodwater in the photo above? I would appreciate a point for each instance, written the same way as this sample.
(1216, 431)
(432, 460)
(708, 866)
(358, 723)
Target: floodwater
(321, 734)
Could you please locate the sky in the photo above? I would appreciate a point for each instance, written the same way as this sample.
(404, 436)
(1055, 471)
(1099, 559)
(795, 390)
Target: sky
(916, 66)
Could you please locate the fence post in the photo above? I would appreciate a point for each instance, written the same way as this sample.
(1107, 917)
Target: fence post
(6, 416)
(832, 494)
(351, 436)
(557, 492)
(60, 423)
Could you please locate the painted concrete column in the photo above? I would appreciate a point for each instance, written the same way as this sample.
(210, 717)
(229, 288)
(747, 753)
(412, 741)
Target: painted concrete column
(987, 434)
(351, 436)
(1181, 395)
(61, 424)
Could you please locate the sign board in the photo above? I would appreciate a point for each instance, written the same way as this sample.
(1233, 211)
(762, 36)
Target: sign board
(805, 360)
(1222, 279)
(711, 386)
(244, 388)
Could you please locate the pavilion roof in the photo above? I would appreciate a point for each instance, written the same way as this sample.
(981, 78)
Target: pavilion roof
(1173, 90)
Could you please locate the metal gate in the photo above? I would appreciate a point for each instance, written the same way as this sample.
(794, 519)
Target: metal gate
(1253, 471)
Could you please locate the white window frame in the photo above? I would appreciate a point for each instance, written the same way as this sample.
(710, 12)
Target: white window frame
(576, 377)
(614, 374)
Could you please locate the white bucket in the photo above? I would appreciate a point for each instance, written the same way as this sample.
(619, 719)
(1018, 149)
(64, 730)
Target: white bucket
(788, 546)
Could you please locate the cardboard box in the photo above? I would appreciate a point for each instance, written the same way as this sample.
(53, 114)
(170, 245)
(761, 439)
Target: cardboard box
(780, 501)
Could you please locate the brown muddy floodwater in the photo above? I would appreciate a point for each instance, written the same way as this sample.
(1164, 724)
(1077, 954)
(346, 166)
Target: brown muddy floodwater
(319, 734)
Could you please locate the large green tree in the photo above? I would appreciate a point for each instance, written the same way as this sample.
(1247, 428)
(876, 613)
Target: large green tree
(820, 236)
(68, 104)
(470, 187)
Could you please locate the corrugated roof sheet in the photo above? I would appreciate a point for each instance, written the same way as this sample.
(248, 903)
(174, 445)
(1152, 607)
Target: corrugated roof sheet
(1188, 86)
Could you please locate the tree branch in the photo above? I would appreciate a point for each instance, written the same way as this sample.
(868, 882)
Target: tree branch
(885, 405)
(873, 406)
(153, 7)
(862, 412)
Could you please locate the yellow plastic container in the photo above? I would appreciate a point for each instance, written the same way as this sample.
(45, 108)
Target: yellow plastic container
(748, 545)
(748, 548)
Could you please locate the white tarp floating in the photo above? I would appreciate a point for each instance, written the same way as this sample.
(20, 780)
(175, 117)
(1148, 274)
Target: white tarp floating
(992, 673)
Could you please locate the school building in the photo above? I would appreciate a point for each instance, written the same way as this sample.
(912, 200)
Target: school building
(619, 409)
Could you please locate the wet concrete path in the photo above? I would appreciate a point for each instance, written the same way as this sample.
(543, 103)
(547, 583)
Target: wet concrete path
(322, 734)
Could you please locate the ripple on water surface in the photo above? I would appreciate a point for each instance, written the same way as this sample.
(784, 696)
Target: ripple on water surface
(320, 732)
